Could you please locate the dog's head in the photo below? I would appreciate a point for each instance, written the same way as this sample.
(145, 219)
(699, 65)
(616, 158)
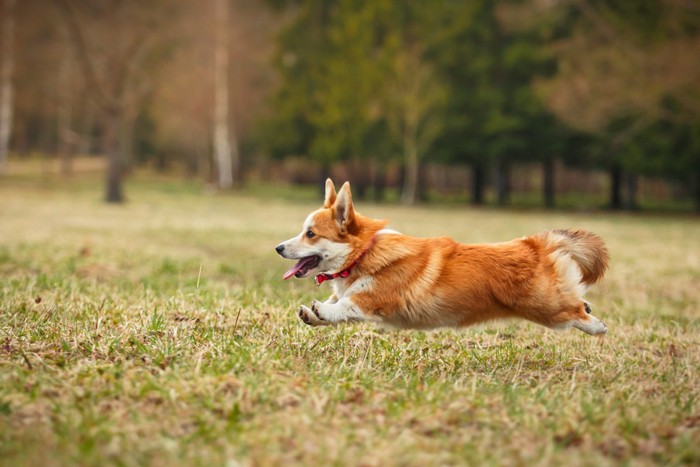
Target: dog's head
(327, 238)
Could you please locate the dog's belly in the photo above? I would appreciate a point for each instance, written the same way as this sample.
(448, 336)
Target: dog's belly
(436, 313)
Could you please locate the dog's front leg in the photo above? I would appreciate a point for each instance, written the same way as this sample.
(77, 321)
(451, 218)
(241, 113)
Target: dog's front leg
(323, 314)
(310, 317)
(331, 300)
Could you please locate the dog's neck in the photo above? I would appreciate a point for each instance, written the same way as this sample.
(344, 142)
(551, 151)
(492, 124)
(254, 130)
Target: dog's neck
(321, 278)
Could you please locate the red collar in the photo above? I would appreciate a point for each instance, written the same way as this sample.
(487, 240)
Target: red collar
(321, 278)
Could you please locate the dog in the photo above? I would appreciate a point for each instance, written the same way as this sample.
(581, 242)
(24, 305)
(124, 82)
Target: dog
(384, 277)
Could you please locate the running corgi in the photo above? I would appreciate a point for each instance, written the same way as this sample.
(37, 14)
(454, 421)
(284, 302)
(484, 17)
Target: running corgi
(382, 276)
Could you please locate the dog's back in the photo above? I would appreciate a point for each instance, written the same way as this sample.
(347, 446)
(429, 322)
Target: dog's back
(437, 282)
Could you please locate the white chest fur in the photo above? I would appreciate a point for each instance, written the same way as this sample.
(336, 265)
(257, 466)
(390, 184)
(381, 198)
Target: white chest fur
(343, 288)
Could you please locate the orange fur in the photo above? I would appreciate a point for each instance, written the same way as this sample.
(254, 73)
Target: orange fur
(423, 283)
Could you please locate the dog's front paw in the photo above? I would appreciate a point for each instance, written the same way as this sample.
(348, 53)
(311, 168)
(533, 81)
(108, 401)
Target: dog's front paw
(310, 315)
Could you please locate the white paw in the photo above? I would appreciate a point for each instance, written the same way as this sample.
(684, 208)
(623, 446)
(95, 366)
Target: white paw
(599, 328)
(592, 326)
(310, 315)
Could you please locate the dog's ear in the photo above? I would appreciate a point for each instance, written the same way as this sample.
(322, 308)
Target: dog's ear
(343, 210)
(330, 194)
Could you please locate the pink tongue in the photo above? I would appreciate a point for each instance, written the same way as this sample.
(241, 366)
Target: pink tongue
(294, 269)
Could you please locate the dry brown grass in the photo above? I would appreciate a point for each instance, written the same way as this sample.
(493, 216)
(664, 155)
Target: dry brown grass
(160, 333)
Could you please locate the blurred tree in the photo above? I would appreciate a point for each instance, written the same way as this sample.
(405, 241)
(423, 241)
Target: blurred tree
(668, 148)
(414, 103)
(355, 86)
(52, 108)
(331, 58)
(453, 77)
(618, 67)
(115, 41)
(459, 49)
(300, 51)
(67, 138)
(7, 24)
(225, 142)
(183, 102)
(342, 111)
(494, 116)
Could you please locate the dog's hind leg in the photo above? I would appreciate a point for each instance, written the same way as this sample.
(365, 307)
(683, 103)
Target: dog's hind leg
(578, 317)
(592, 326)
(584, 320)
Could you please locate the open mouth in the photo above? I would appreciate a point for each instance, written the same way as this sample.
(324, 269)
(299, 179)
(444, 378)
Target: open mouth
(303, 266)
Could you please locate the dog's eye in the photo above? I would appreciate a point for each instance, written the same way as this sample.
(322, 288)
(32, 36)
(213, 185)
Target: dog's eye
(310, 234)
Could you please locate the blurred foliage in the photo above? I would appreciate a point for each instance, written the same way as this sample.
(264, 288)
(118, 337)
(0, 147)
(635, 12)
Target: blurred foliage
(596, 83)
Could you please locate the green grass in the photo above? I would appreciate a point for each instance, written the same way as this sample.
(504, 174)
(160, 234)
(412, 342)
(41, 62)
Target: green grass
(160, 332)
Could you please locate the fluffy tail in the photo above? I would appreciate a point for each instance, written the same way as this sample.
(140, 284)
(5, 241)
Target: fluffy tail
(585, 248)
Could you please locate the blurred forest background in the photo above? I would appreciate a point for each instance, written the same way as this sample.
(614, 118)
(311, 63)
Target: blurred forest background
(595, 101)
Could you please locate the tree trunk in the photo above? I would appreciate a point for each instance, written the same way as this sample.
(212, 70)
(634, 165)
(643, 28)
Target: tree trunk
(6, 70)
(478, 182)
(205, 166)
(359, 174)
(696, 190)
(616, 187)
(361, 182)
(236, 159)
(410, 184)
(503, 182)
(222, 142)
(64, 111)
(85, 144)
(162, 162)
(631, 199)
(549, 182)
(126, 143)
(325, 174)
(191, 159)
(113, 141)
(379, 181)
(422, 191)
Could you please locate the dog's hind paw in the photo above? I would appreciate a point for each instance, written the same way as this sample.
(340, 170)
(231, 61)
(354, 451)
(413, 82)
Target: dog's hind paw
(592, 326)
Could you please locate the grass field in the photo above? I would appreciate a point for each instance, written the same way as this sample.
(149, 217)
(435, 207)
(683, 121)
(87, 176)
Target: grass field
(160, 333)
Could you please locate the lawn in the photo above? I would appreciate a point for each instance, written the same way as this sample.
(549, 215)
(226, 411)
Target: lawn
(159, 332)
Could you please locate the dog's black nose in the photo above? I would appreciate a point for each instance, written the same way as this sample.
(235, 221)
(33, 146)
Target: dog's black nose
(279, 249)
